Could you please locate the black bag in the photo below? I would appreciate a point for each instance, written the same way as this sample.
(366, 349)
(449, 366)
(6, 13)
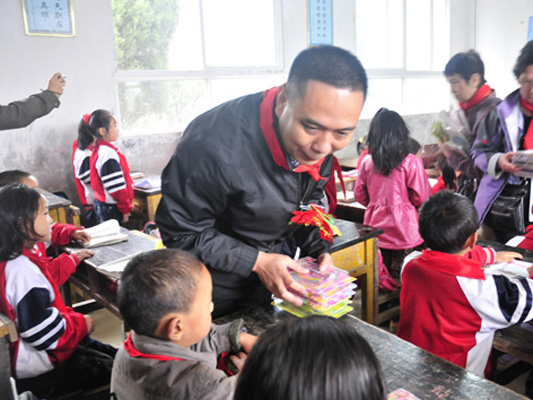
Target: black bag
(508, 211)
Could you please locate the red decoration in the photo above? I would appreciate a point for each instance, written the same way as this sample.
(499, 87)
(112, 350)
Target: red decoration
(86, 118)
(316, 216)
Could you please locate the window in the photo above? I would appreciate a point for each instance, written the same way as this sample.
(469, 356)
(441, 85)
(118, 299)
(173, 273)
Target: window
(404, 45)
(178, 58)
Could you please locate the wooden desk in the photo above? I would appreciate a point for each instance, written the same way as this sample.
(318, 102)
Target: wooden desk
(356, 251)
(60, 209)
(147, 199)
(404, 365)
(100, 285)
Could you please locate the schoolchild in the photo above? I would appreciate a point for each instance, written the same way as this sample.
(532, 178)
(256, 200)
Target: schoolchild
(165, 296)
(109, 171)
(62, 234)
(81, 167)
(449, 305)
(392, 185)
(50, 356)
(313, 358)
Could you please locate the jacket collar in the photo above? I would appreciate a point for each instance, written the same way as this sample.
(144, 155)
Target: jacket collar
(451, 264)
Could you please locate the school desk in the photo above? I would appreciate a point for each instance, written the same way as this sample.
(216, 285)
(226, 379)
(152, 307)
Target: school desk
(404, 365)
(61, 210)
(355, 251)
(147, 199)
(100, 285)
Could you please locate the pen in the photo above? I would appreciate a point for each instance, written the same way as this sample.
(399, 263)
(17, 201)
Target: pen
(297, 254)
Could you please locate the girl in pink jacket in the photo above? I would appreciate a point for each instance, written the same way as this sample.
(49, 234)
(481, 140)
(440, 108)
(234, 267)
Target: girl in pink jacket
(392, 184)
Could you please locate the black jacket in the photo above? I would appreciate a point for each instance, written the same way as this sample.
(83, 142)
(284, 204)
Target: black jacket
(225, 198)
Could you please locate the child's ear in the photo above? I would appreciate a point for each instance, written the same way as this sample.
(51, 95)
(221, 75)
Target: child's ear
(175, 328)
(471, 242)
(102, 132)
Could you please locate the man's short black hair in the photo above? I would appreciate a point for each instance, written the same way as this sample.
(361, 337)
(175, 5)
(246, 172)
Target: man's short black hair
(525, 59)
(155, 284)
(466, 64)
(327, 64)
(446, 221)
(12, 176)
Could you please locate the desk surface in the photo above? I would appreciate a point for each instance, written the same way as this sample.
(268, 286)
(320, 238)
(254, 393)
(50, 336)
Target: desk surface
(404, 365)
(53, 200)
(352, 233)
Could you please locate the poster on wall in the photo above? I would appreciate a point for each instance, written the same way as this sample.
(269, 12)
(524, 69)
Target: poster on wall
(530, 29)
(48, 18)
(320, 22)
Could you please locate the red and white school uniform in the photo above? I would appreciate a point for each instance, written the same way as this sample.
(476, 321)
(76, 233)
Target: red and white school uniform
(81, 166)
(451, 308)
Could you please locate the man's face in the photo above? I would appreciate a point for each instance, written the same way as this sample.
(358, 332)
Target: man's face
(526, 84)
(463, 90)
(319, 122)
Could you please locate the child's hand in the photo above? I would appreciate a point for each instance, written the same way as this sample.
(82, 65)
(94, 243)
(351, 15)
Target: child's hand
(507, 256)
(125, 218)
(247, 341)
(530, 271)
(90, 324)
(238, 360)
(83, 254)
(81, 236)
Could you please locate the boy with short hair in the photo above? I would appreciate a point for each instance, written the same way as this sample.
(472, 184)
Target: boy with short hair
(449, 305)
(165, 296)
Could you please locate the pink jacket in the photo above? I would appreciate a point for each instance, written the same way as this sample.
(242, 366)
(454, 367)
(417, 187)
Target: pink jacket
(392, 201)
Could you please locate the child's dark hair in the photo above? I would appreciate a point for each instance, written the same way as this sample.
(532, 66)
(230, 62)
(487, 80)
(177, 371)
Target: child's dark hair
(413, 146)
(524, 60)
(388, 140)
(466, 64)
(156, 283)
(314, 358)
(12, 176)
(19, 206)
(89, 125)
(448, 173)
(446, 221)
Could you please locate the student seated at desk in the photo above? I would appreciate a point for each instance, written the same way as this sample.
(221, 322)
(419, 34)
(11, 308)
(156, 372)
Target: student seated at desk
(62, 234)
(449, 305)
(51, 355)
(314, 358)
(165, 296)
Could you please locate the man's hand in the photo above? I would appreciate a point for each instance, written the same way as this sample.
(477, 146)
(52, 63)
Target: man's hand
(81, 236)
(505, 164)
(57, 84)
(507, 256)
(272, 270)
(324, 261)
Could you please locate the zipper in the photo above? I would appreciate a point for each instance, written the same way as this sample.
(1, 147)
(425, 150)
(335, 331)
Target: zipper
(303, 206)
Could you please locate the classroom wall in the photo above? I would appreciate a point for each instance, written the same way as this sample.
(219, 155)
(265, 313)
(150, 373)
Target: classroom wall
(44, 148)
(501, 31)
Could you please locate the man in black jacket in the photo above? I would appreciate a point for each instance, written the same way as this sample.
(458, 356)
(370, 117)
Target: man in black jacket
(242, 168)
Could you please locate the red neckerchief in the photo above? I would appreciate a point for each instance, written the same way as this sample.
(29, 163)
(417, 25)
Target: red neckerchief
(133, 352)
(481, 94)
(453, 265)
(528, 139)
(266, 124)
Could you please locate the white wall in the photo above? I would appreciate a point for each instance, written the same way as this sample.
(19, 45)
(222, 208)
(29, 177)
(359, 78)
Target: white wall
(501, 31)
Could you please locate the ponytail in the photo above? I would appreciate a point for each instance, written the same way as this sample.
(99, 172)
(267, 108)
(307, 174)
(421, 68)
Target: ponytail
(89, 126)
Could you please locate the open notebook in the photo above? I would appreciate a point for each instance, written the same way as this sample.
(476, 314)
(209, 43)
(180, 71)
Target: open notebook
(107, 232)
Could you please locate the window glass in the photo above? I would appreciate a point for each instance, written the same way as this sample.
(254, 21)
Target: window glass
(160, 106)
(231, 88)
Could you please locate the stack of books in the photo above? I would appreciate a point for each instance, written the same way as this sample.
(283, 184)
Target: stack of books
(106, 233)
(328, 292)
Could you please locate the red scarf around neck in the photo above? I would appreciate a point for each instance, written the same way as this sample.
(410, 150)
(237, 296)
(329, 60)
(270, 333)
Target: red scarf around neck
(267, 127)
(528, 139)
(481, 94)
